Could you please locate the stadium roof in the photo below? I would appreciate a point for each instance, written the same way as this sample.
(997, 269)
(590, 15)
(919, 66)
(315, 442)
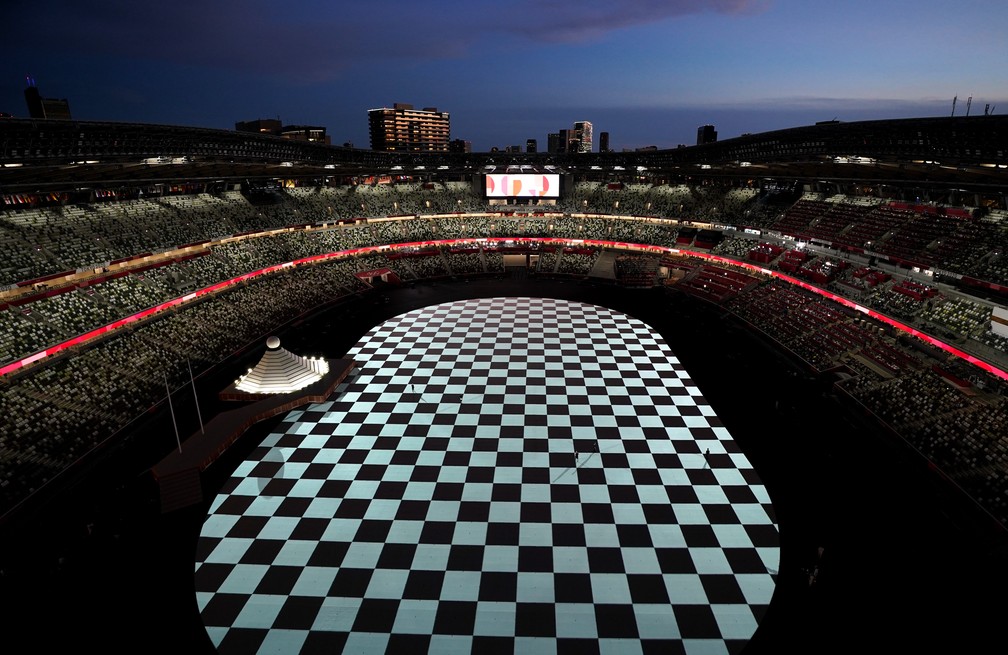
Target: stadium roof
(40, 155)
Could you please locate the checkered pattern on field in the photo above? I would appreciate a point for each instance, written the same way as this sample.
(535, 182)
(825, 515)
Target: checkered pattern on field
(505, 474)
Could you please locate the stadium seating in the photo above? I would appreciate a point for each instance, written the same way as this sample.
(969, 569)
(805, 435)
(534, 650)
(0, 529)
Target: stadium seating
(73, 269)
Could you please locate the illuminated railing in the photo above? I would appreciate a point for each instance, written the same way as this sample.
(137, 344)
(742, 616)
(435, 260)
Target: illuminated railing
(99, 332)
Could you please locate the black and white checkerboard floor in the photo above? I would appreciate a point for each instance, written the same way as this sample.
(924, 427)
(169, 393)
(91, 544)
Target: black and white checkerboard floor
(498, 475)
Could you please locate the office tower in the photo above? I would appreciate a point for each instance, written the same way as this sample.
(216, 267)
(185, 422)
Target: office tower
(603, 142)
(706, 134)
(531, 145)
(553, 142)
(568, 141)
(583, 135)
(404, 129)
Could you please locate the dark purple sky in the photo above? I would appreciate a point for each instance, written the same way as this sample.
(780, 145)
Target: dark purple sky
(648, 72)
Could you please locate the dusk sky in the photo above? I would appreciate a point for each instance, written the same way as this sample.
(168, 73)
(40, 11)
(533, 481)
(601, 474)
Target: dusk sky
(648, 72)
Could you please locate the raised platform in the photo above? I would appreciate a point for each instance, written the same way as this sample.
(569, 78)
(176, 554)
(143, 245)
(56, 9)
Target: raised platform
(178, 474)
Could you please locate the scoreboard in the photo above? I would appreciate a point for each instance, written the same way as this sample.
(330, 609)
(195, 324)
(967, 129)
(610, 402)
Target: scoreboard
(506, 185)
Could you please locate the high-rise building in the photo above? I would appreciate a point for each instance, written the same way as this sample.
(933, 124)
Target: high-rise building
(706, 134)
(578, 139)
(568, 141)
(531, 145)
(39, 107)
(583, 135)
(404, 129)
(553, 142)
(459, 145)
(603, 142)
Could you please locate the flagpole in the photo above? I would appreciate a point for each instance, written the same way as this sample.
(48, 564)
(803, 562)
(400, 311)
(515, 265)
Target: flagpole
(193, 380)
(172, 408)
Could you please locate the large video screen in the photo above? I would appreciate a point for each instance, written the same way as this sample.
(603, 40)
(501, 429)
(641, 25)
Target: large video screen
(506, 185)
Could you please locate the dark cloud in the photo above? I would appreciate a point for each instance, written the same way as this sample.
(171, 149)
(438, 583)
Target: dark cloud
(307, 40)
(314, 40)
(583, 20)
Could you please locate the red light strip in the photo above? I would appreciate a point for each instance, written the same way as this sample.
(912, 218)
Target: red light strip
(76, 341)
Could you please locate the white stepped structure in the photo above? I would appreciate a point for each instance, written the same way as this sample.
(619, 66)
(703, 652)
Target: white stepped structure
(281, 371)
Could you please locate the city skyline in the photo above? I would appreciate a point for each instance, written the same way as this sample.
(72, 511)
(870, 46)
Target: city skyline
(648, 73)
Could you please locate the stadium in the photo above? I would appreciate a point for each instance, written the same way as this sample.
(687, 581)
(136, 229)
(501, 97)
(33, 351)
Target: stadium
(816, 317)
